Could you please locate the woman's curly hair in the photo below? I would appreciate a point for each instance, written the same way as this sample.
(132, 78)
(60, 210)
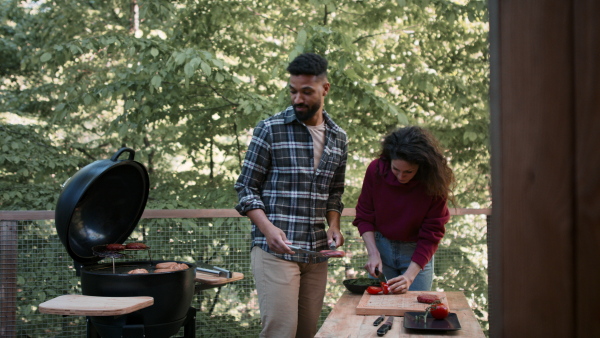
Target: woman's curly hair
(418, 146)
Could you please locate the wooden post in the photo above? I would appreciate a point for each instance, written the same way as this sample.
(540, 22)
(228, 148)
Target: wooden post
(8, 278)
(587, 163)
(545, 113)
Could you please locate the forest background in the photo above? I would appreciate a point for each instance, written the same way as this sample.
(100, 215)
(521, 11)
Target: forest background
(183, 83)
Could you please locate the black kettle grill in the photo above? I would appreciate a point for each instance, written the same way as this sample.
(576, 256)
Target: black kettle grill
(102, 204)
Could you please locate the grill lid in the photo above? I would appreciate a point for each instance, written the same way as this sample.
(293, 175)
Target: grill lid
(101, 204)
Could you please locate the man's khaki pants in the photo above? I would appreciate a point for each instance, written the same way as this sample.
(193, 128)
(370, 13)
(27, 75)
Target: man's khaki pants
(290, 295)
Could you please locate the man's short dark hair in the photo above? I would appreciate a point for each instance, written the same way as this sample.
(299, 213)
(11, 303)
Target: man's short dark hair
(308, 64)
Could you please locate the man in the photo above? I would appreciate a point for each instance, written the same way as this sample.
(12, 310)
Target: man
(291, 181)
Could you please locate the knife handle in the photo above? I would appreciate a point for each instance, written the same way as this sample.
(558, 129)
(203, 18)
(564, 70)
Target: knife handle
(379, 320)
(383, 330)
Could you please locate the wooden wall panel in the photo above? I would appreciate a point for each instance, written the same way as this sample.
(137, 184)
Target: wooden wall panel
(587, 162)
(532, 169)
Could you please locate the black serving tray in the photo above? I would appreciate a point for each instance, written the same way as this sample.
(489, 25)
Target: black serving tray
(450, 323)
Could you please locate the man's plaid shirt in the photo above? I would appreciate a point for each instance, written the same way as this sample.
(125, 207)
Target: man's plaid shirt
(278, 176)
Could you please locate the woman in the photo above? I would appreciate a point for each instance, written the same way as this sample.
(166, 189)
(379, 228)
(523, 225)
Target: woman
(402, 212)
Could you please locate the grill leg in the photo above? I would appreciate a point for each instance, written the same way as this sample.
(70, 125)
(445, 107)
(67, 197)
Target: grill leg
(91, 330)
(189, 325)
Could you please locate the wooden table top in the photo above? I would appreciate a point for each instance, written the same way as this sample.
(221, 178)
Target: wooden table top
(210, 279)
(80, 305)
(205, 281)
(343, 322)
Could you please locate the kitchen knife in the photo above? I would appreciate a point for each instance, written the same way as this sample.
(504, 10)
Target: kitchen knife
(385, 327)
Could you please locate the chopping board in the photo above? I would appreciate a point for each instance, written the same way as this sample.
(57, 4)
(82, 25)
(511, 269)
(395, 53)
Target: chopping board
(394, 304)
(208, 278)
(80, 305)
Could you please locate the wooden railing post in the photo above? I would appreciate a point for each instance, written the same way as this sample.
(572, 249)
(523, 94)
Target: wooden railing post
(8, 278)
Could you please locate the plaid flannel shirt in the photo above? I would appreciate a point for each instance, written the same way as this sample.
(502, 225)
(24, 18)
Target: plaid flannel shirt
(278, 176)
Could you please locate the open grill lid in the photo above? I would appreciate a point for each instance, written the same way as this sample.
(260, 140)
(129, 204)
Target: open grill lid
(101, 204)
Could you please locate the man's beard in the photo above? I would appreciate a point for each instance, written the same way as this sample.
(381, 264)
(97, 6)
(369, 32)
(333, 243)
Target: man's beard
(307, 114)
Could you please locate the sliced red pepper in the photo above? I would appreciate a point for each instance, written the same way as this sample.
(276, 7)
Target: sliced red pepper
(385, 288)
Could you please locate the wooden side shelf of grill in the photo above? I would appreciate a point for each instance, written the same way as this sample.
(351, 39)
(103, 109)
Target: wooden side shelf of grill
(80, 305)
(210, 279)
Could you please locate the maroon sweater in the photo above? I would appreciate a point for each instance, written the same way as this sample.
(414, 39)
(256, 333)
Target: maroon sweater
(401, 212)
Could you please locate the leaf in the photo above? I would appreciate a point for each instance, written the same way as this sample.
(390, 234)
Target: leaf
(154, 52)
(205, 68)
(218, 63)
(129, 104)
(301, 39)
(180, 58)
(351, 74)
(470, 136)
(87, 99)
(46, 57)
(189, 70)
(156, 81)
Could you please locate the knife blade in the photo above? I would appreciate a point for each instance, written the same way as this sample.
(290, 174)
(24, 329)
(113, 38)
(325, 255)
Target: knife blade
(385, 327)
(298, 249)
(380, 275)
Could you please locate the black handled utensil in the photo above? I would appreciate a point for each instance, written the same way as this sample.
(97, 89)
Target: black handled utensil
(378, 320)
(385, 327)
(333, 246)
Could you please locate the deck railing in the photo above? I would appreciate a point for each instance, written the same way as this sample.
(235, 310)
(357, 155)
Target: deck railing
(34, 266)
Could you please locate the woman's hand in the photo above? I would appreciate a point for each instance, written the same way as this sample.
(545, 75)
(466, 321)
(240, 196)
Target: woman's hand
(373, 262)
(402, 283)
(399, 284)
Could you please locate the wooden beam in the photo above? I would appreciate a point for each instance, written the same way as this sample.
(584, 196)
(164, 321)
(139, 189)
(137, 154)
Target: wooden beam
(532, 232)
(587, 163)
(29, 215)
(8, 285)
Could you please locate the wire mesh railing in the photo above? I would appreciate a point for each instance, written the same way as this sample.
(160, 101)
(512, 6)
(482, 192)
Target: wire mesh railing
(35, 267)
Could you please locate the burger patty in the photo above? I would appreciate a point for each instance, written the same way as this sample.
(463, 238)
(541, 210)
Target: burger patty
(427, 298)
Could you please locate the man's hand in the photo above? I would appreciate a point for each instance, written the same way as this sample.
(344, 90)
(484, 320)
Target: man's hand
(334, 235)
(276, 238)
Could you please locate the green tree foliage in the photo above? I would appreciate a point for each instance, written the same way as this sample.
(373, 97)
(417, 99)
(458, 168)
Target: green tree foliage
(184, 82)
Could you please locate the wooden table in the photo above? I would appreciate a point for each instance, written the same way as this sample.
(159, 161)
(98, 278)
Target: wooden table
(343, 322)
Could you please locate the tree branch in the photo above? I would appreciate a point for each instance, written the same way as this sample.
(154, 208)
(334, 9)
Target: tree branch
(237, 141)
